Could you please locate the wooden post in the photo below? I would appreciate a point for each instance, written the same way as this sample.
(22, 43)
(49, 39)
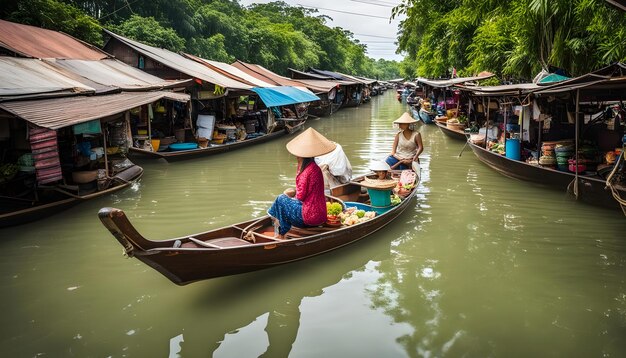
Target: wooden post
(104, 144)
(576, 142)
(487, 124)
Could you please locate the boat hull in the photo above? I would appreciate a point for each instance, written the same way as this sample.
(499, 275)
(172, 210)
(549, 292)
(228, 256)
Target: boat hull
(426, 117)
(35, 212)
(590, 190)
(452, 133)
(204, 152)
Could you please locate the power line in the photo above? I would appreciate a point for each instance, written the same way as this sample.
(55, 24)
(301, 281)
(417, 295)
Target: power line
(379, 3)
(376, 42)
(345, 12)
(381, 37)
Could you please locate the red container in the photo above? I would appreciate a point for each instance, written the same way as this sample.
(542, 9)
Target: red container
(581, 168)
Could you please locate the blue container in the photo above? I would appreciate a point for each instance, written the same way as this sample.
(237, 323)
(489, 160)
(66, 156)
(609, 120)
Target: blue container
(183, 146)
(361, 206)
(512, 149)
(380, 197)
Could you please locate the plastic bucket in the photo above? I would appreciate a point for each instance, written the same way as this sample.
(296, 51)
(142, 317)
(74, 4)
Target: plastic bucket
(513, 149)
(155, 144)
(380, 197)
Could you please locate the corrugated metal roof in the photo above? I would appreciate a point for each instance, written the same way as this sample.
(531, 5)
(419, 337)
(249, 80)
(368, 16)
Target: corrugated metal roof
(57, 113)
(308, 75)
(116, 74)
(31, 41)
(26, 77)
(330, 74)
(355, 79)
(230, 71)
(269, 76)
(502, 90)
(368, 81)
(263, 73)
(182, 64)
(452, 81)
(325, 86)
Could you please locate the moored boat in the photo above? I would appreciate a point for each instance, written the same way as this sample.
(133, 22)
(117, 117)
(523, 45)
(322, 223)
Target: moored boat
(426, 117)
(16, 211)
(214, 148)
(250, 245)
(451, 132)
(589, 189)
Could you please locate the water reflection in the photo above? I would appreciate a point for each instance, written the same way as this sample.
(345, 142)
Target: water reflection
(482, 265)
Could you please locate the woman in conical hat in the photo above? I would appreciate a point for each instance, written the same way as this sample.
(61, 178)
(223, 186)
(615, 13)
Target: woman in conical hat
(407, 146)
(306, 205)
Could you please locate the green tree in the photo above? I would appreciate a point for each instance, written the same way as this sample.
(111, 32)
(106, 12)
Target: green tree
(150, 32)
(55, 15)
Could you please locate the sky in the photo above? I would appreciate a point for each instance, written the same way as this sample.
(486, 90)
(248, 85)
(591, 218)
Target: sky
(374, 30)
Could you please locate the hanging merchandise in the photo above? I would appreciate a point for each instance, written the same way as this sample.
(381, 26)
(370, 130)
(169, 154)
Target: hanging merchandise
(43, 144)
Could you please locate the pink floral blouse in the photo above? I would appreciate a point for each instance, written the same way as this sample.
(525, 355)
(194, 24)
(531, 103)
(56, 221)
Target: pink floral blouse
(310, 191)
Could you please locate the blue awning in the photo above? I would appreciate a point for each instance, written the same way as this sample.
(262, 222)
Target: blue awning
(284, 95)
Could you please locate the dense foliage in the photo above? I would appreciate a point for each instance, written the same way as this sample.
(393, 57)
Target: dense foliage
(275, 35)
(514, 38)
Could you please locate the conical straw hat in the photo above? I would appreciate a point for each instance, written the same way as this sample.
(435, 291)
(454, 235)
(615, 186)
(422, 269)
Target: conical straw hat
(310, 144)
(405, 118)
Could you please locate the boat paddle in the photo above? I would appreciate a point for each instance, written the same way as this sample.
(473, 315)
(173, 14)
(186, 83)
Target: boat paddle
(462, 149)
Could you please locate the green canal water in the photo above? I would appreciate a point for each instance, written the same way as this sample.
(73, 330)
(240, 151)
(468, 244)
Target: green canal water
(481, 266)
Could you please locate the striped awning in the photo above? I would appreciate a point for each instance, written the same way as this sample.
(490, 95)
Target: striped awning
(57, 113)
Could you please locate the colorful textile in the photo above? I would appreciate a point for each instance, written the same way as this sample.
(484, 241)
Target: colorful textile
(288, 212)
(310, 191)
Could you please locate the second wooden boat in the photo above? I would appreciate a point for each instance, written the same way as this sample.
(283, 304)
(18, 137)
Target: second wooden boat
(590, 189)
(214, 149)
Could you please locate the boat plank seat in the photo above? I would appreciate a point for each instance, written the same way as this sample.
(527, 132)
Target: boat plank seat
(220, 243)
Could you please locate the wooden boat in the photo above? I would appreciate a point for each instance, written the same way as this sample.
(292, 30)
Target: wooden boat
(213, 149)
(246, 246)
(451, 132)
(426, 117)
(415, 113)
(54, 199)
(591, 189)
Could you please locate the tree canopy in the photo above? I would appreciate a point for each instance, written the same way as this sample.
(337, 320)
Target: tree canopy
(275, 35)
(514, 38)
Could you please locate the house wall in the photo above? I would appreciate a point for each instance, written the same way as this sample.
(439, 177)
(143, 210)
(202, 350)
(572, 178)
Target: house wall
(132, 58)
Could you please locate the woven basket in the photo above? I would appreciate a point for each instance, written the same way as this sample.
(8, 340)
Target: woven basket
(379, 184)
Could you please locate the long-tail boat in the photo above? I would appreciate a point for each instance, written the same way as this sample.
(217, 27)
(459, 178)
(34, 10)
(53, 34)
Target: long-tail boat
(250, 245)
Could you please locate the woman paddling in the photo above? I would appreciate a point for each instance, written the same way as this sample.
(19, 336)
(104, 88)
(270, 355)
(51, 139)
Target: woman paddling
(407, 145)
(306, 205)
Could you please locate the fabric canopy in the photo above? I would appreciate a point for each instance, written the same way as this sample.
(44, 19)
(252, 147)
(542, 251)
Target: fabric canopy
(553, 77)
(62, 112)
(283, 95)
